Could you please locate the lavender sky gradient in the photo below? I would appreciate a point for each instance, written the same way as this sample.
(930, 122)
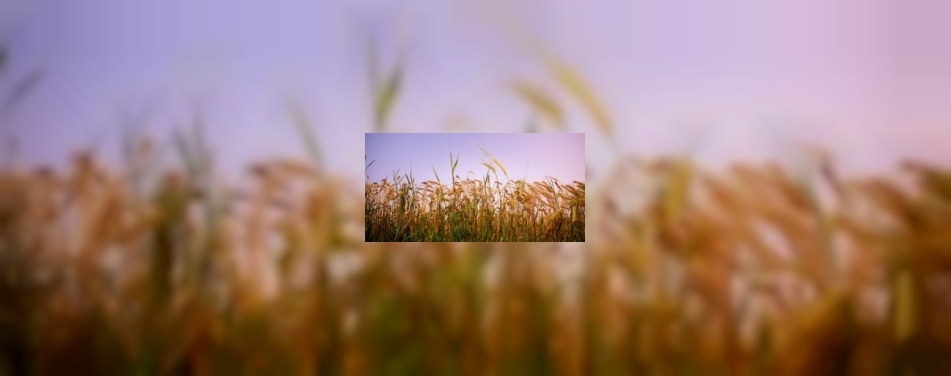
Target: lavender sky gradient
(871, 79)
(529, 156)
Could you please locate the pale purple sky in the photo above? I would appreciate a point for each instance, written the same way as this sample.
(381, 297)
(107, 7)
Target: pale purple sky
(529, 156)
(870, 79)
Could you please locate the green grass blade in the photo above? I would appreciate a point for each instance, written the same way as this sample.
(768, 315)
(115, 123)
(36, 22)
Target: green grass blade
(541, 101)
(386, 98)
(306, 133)
(584, 94)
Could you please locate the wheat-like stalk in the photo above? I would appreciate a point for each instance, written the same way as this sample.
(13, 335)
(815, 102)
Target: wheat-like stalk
(727, 272)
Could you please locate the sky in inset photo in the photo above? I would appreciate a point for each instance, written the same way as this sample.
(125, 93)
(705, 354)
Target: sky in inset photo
(528, 156)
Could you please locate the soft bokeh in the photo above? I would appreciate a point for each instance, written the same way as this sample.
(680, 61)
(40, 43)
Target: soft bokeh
(731, 79)
(139, 267)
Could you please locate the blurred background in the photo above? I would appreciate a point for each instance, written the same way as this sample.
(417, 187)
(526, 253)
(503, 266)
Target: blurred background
(735, 79)
(134, 269)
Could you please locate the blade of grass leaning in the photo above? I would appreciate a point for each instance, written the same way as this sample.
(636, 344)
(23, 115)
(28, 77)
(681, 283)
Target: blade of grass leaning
(386, 97)
(305, 131)
(497, 163)
(494, 160)
(489, 166)
(452, 164)
(384, 94)
(568, 77)
(583, 93)
(455, 164)
(365, 170)
(541, 102)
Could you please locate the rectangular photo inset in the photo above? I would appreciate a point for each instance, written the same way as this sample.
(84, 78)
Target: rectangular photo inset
(475, 187)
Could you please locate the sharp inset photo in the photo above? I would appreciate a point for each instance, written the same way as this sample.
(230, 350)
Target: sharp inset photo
(475, 187)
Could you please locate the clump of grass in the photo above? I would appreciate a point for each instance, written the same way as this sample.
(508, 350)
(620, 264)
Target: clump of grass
(474, 210)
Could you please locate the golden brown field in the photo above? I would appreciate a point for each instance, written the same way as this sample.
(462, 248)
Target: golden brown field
(746, 271)
(475, 211)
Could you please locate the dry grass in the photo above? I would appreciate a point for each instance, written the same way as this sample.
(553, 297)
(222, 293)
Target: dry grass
(483, 210)
(475, 210)
(716, 272)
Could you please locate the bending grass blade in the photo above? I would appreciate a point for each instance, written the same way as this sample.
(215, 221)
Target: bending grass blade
(386, 93)
(583, 92)
(365, 170)
(386, 98)
(305, 131)
(494, 160)
(541, 102)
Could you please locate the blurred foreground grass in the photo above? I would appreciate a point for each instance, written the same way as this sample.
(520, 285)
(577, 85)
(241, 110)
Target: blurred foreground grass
(746, 271)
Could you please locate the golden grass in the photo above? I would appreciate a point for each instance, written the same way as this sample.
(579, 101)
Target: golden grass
(719, 272)
(474, 210)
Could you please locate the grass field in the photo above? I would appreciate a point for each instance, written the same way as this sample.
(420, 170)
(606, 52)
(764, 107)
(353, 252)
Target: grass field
(474, 210)
(177, 275)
